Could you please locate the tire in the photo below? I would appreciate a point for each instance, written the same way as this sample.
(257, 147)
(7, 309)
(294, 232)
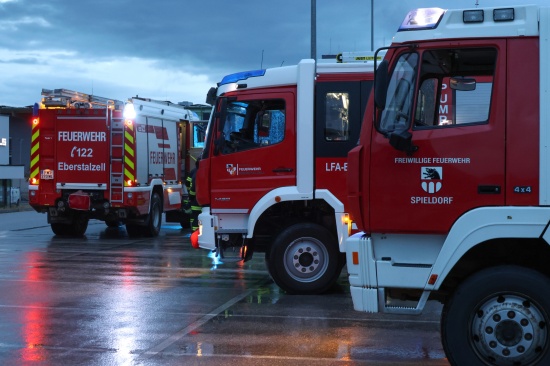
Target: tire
(134, 231)
(304, 259)
(80, 224)
(112, 223)
(60, 229)
(498, 316)
(154, 219)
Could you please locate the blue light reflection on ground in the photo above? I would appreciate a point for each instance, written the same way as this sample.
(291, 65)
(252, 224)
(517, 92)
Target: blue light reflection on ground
(215, 260)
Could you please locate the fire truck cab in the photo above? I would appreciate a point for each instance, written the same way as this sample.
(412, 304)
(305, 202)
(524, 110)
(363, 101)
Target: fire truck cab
(449, 183)
(272, 174)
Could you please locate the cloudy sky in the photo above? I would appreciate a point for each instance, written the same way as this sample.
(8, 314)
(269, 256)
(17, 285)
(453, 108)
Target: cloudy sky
(177, 49)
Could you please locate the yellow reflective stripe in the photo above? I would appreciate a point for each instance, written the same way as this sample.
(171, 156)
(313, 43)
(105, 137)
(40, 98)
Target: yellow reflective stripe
(129, 136)
(35, 172)
(35, 135)
(129, 162)
(35, 160)
(34, 148)
(128, 149)
(128, 174)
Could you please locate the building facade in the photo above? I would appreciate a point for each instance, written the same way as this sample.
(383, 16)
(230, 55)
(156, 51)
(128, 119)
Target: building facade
(15, 131)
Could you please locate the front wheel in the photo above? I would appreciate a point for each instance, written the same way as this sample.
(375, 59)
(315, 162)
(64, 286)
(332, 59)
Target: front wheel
(499, 316)
(304, 259)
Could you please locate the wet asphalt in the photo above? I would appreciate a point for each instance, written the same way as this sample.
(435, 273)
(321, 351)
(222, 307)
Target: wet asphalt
(106, 299)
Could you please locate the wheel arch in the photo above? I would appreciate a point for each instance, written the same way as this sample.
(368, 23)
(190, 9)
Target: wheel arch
(487, 227)
(531, 253)
(265, 221)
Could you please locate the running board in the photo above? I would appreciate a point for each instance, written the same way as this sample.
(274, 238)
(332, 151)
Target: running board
(405, 310)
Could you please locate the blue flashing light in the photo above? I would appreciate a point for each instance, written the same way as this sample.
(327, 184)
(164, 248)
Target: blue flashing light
(233, 78)
(423, 18)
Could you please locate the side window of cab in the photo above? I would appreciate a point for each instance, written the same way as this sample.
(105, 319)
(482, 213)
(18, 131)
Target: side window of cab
(253, 124)
(455, 87)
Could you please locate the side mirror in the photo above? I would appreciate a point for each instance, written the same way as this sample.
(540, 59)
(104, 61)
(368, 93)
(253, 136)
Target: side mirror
(402, 141)
(221, 113)
(462, 83)
(211, 96)
(381, 85)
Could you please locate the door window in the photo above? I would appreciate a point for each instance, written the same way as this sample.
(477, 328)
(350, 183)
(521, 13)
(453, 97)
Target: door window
(455, 87)
(337, 116)
(253, 124)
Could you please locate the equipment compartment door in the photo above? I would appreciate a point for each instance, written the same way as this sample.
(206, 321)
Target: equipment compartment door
(254, 149)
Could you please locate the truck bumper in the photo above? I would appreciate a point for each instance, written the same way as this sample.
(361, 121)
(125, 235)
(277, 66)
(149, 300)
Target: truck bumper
(207, 229)
(362, 273)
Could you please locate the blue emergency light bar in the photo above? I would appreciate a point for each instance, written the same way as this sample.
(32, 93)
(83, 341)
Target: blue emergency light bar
(233, 78)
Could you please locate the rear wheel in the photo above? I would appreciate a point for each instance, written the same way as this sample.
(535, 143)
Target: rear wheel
(60, 229)
(154, 219)
(80, 224)
(304, 259)
(134, 231)
(112, 223)
(77, 228)
(498, 316)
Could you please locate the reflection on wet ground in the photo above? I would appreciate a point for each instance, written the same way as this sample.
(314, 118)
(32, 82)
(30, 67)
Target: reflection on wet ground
(106, 299)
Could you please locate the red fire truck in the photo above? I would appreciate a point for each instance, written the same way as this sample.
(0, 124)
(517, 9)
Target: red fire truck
(99, 158)
(272, 174)
(453, 198)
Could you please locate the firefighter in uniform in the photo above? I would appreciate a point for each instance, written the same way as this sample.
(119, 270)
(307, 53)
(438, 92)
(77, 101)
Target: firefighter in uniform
(191, 206)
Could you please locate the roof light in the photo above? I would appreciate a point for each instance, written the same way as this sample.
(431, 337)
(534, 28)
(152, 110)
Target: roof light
(423, 18)
(233, 78)
(129, 111)
(503, 15)
(473, 16)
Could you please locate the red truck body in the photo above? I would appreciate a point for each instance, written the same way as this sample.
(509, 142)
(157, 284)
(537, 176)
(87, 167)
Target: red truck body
(272, 174)
(449, 183)
(94, 158)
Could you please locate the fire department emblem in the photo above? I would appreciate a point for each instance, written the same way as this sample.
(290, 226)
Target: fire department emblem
(231, 169)
(431, 178)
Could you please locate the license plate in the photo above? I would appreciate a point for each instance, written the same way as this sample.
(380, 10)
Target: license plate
(46, 174)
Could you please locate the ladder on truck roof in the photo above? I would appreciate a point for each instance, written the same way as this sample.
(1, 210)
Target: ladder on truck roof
(360, 56)
(65, 98)
(116, 184)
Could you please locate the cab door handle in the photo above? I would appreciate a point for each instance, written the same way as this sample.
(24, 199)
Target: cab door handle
(282, 170)
(488, 189)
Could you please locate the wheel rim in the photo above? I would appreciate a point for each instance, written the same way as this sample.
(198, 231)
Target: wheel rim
(509, 330)
(306, 259)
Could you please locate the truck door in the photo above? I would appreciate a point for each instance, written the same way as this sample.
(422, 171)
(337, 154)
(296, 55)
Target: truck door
(445, 117)
(254, 149)
(339, 108)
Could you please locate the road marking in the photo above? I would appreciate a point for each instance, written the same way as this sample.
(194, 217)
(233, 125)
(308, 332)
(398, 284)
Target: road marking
(191, 327)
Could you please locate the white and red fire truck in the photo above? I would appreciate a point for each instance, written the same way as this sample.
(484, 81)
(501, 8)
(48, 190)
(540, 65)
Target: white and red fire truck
(453, 199)
(99, 158)
(272, 174)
